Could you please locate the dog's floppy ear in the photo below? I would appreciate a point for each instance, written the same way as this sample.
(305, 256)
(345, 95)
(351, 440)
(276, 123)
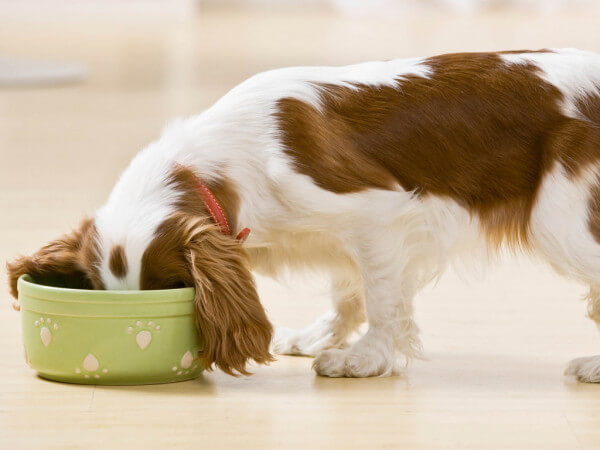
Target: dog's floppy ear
(68, 261)
(229, 313)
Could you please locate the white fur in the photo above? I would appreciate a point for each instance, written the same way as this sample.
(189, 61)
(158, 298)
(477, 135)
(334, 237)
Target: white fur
(380, 247)
(586, 369)
(576, 73)
(567, 243)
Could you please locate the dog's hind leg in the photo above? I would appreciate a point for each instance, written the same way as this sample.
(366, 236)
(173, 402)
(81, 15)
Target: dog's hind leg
(587, 369)
(332, 329)
(565, 230)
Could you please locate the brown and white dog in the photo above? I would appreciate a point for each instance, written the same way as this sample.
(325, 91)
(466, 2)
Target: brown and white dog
(378, 173)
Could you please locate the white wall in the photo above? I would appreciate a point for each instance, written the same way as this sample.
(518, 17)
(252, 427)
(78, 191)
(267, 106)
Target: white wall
(97, 10)
(354, 7)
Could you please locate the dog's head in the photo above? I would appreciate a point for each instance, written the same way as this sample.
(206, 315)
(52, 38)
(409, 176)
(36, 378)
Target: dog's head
(161, 239)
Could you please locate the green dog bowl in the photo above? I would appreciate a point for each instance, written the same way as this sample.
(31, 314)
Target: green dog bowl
(109, 337)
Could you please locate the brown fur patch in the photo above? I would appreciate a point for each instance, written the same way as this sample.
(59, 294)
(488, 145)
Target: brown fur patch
(478, 130)
(117, 262)
(594, 212)
(228, 310)
(589, 107)
(70, 261)
(190, 202)
(190, 250)
(163, 262)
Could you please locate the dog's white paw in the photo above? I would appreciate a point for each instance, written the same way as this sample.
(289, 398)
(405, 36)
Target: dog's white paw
(352, 362)
(586, 369)
(307, 342)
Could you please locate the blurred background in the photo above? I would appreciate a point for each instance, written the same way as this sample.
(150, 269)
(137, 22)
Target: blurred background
(85, 84)
(92, 81)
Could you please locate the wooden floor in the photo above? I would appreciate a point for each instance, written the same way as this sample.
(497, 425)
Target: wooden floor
(497, 346)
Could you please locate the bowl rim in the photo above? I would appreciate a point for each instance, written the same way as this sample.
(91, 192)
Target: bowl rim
(27, 286)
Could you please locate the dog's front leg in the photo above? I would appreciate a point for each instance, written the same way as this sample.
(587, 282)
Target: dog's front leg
(333, 328)
(390, 280)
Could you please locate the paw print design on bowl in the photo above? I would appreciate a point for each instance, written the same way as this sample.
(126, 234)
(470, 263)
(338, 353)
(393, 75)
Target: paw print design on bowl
(187, 364)
(143, 335)
(91, 367)
(47, 327)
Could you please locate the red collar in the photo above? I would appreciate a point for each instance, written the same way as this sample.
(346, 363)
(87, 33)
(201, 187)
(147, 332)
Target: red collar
(216, 210)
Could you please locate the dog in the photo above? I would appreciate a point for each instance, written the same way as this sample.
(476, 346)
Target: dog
(379, 174)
